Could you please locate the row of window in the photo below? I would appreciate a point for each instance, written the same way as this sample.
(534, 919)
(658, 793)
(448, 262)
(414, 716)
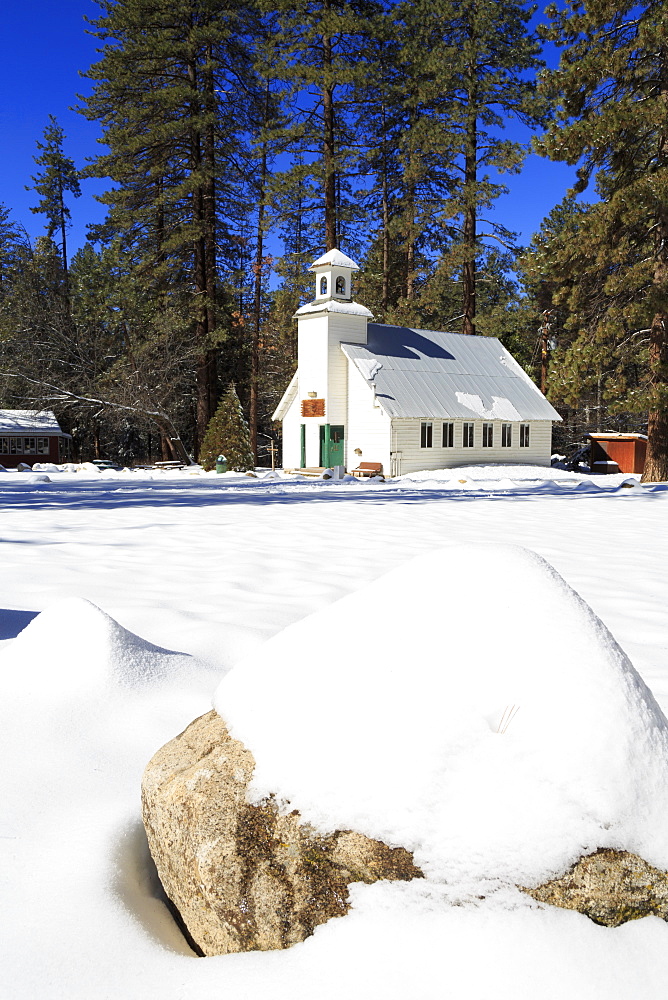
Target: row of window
(24, 446)
(468, 435)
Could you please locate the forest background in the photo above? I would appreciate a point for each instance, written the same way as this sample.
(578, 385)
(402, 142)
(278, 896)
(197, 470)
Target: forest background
(240, 141)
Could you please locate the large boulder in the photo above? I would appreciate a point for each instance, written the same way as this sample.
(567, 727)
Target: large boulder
(246, 877)
(610, 887)
(433, 710)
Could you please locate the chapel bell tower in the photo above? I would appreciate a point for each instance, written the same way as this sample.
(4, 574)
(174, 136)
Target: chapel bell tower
(330, 320)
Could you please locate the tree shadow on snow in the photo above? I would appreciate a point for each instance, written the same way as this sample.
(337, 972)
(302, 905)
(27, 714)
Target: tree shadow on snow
(137, 885)
(110, 495)
(12, 622)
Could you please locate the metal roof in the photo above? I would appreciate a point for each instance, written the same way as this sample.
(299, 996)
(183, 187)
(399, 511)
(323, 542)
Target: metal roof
(29, 422)
(425, 373)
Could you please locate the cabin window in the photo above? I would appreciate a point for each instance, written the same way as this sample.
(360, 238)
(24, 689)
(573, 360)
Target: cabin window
(448, 435)
(340, 286)
(323, 285)
(488, 435)
(506, 435)
(24, 446)
(467, 435)
(426, 434)
(524, 435)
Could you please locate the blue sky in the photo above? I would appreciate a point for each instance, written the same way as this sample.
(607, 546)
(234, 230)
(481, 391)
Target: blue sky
(43, 48)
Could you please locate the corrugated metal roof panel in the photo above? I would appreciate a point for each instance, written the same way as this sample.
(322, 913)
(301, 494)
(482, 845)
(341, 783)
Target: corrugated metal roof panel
(426, 373)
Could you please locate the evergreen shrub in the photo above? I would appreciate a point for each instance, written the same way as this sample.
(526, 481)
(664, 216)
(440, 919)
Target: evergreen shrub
(228, 434)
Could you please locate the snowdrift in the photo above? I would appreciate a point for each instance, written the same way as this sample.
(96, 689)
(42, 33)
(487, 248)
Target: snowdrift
(374, 733)
(433, 711)
(73, 648)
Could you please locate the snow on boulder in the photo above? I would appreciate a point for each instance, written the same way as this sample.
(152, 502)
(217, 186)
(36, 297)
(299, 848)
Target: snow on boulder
(74, 648)
(434, 710)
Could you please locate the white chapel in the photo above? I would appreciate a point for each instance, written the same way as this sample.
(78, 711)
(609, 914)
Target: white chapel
(404, 399)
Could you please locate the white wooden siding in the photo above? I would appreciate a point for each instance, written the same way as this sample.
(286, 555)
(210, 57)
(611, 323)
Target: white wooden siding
(346, 329)
(323, 370)
(312, 354)
(322, 364)
(291, 453)
(408, 456)
(368, 427)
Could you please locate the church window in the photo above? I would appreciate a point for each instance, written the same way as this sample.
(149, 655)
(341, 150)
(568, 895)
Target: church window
(340, 286)
(323, 285)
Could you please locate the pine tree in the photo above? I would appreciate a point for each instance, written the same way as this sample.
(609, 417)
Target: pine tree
(58, 177)
(611, 96)
(409, 175)
(316, 53)
(471, 64)
(13, 244)
(36, 331)
(228, 434)
(172, 92)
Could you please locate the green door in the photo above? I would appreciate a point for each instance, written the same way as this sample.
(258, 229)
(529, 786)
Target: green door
(302, 446)
(336, 454)
(331, 445)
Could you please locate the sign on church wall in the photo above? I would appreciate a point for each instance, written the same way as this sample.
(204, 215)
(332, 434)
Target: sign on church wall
(313, 407)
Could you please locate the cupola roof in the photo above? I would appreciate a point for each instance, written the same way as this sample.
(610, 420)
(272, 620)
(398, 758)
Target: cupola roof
(334, 258)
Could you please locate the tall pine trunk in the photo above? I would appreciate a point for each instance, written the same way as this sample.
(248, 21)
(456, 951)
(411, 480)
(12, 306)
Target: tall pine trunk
(656, 461)
(204, 247)
(470, 199)
(63, 227)
(328, 139)
(210, 234)
(386, 236)
(257, 291)
(410, 231)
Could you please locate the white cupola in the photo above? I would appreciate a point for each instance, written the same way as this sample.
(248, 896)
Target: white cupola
(334, 288)
(333, 276)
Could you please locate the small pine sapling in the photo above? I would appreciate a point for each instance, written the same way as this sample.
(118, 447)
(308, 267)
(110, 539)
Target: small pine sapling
(228, 434)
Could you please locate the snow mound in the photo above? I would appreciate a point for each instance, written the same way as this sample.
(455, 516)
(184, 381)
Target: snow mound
(487, 473)
(74, 648)
(434, 710)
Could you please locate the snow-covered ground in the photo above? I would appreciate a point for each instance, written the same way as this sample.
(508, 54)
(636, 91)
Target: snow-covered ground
(213, 567)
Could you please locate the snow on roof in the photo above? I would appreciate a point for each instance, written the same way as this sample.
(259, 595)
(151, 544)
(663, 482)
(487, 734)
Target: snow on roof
(29, 422)
(334, 258)
(286, 398)
(425, 373)
(334, 306)
(616, 436)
